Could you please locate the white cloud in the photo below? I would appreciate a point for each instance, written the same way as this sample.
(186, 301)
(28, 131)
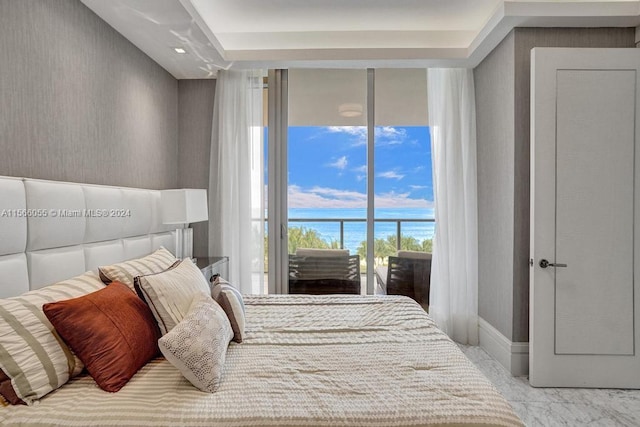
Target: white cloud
(350, 130)
(418, 187)
(361, 169)
(390, 175)
(388, 135)
(358, 132)
(390, 132)
(400, 200)
(384, 135)
(341, 163)
(361, 172)
(323, 197)
(340, 194)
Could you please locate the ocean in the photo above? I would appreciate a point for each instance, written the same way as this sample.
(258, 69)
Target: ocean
(355, 232)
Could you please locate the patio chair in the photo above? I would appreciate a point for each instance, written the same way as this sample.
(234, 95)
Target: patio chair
(408, 273)
(324, 271)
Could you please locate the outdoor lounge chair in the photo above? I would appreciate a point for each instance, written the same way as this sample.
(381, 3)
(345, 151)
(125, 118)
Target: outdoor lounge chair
(408, 273)
(324, 271)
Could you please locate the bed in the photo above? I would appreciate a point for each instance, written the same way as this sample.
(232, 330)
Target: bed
(331, 360)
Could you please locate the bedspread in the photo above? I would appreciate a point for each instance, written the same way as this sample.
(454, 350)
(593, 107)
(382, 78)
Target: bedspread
(306, 361)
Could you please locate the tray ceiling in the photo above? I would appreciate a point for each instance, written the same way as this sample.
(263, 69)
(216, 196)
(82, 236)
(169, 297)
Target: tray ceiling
(220, 34)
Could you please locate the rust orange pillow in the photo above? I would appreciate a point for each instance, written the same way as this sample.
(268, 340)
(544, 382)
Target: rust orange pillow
(112, 331)
(7, 391)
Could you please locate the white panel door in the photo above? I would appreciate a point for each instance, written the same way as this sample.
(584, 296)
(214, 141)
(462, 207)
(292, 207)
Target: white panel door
(584, 207)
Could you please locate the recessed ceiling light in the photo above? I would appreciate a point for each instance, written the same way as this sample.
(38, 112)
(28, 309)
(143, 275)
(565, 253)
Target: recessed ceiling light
(179, 50)
(350, 110)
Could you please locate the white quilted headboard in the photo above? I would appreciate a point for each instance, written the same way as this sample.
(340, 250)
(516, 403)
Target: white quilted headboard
(50, 231)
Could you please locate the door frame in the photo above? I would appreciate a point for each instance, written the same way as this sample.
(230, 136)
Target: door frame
(546, 368)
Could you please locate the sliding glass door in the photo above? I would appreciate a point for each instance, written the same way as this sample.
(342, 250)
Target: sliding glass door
(327, 185)
(349, 168)
(403, 214)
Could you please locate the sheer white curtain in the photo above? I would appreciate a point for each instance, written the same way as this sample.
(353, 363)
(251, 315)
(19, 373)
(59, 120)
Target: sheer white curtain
(453, 301)
(236, 179)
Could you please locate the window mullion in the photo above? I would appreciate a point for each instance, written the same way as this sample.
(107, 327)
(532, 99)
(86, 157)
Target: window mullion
(278, 217)
(370, 178)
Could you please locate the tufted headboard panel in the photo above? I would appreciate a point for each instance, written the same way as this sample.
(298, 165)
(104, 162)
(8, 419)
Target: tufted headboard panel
(50, 231)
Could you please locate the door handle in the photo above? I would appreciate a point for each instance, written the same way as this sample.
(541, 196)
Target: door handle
(544, 264)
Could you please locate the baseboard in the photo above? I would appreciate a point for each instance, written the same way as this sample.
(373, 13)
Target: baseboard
(514, 356)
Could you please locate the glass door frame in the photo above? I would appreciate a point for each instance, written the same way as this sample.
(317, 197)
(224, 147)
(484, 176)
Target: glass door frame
(278, 94)
(278, 181)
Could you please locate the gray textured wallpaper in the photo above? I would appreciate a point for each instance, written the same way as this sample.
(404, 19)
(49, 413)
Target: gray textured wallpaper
(494, 83)
(502, 94)
(78, 102)
(195, 112)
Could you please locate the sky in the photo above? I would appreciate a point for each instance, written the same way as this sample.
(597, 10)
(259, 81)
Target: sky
(327, 167)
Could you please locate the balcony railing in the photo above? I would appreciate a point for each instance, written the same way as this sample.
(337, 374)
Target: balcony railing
(342, 221)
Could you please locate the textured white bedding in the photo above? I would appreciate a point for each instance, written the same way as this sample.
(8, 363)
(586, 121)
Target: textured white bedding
(305, 361)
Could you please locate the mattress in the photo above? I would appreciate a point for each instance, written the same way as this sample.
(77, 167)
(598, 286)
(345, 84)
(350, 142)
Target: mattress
(306, 361)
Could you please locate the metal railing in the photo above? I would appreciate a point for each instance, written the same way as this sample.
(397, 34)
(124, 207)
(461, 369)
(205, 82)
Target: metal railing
(342, 221)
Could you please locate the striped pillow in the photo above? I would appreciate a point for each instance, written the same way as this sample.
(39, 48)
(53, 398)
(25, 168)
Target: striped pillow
(126, 272)
(230, 299)
(32, 354)
(169, 294)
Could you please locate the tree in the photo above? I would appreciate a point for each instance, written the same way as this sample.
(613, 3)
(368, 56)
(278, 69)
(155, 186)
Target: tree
(300, 237)
(427, 245)
(382, 248)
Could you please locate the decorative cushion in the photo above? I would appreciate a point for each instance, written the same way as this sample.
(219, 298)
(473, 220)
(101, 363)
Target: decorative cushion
(322, 253)
(169, 294)
(230, 299)
(125, 272)
(6, 390)
(197, 346)
(112, 331)
(414, 254)
(32, 354)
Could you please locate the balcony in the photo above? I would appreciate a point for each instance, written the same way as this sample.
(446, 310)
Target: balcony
(342, 221)
(389, 237)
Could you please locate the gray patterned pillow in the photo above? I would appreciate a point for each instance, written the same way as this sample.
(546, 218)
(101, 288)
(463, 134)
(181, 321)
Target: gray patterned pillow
(230, 299)
(197, 346)
(169, 294)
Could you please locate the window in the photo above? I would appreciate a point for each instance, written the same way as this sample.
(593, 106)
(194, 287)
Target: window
(351, 176)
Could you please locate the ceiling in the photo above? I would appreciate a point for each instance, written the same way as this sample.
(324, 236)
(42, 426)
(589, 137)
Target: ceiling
(222, 34)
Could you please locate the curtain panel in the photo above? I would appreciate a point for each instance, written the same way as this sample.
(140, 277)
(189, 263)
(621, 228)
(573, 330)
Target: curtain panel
(236, 178)
(454, 274)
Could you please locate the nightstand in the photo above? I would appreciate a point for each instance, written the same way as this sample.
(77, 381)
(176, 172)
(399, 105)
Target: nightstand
(212, 266)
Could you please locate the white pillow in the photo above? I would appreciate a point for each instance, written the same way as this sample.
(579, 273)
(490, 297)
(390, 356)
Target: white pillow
(169, 293)
(32, 354)
(197, 346)
(414, 255)
(126, 272)
(322, 253)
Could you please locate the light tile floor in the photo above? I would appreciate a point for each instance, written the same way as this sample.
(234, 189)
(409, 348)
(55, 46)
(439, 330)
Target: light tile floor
(551, 407)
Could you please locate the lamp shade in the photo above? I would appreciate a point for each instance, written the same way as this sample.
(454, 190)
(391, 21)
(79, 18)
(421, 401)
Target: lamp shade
(184, 206)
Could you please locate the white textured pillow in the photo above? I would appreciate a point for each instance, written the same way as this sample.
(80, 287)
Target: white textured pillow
(197, 346)
(414, 255)
(169, 294)
(126, 272)
(32, 354)
(230, 299)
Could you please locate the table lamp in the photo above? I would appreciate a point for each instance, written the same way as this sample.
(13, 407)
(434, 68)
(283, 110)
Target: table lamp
(184, 206)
